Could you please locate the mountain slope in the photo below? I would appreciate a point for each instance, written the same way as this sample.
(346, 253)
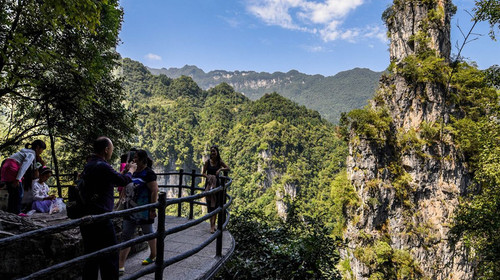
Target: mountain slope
(330, 96)
(277, 149)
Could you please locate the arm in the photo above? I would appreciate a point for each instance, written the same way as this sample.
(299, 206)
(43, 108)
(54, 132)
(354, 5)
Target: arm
(118, 178)
(204, 169)
(25, 165)
(153, 187)
(223, 167)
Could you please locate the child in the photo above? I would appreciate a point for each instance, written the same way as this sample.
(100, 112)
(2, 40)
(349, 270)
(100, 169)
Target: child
(41, 197)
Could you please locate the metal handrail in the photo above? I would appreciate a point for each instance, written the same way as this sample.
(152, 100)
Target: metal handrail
(160, 234)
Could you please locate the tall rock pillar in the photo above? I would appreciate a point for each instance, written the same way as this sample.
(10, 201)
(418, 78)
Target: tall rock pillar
(406, 171)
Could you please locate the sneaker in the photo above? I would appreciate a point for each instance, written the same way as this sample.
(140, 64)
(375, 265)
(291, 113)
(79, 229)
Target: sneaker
(148, 261)
(22, 215)
(121, 270)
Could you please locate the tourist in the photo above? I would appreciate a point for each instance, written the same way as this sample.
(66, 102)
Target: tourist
(17, 166)
(211, 170)
(100, 180)
(141, 191)
(40, 189)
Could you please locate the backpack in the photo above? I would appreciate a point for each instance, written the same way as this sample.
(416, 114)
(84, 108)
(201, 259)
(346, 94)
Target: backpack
(76, 206)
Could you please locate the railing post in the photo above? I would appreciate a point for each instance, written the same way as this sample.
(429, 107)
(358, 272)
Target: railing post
(220, 218)
(191, 204)
(181, 172)
(160, 239)
(224, 197)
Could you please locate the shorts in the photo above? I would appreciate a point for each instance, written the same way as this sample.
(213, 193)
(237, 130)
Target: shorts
(129, 227)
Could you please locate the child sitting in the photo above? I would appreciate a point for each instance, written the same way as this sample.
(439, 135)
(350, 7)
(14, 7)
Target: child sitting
(41, 197)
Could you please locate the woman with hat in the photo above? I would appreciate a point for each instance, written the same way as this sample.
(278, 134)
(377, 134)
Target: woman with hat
(41, 197)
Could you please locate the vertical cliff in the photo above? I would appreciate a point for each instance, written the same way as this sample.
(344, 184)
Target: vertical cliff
(404, 167)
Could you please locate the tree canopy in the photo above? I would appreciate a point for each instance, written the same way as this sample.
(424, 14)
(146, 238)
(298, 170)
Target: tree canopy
(56, 62)
(488, 10)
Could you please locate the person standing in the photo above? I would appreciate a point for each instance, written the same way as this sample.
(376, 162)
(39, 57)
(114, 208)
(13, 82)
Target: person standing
(15, 168)
(100, 180)
(211, 170)
(143, 190)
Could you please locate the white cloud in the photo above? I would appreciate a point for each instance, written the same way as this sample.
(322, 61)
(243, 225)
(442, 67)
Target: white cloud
(152, 56)
(274, 12)
(314, 49)
(322, 17)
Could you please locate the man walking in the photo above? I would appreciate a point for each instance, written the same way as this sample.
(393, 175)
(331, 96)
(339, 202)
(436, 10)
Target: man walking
(100, 180)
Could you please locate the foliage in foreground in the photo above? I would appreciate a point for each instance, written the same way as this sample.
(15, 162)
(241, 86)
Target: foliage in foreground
(477, 134)
(56, 62)
(268, 248)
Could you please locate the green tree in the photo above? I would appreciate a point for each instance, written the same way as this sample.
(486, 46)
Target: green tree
(269, 248)
(488, 10)
(477, 134)
(56, 77)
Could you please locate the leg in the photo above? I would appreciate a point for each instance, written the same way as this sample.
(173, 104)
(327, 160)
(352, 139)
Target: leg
(128, 228)
(91, 266)
(108, 264)
(212, 223)
(212, 219)
(14, 202)
(123, 257)
(152, 248)
(95, 237)
(147, 229)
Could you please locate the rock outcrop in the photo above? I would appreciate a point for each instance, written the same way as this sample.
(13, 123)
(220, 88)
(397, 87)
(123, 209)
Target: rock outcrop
(405, 169)
(23, 258)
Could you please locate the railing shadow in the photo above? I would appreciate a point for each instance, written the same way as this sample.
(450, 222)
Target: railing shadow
(224, 201)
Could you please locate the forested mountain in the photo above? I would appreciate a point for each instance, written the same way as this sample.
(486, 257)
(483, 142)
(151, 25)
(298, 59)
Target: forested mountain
(292, 194)
(413, 195)
(286, 160)
(330, 96)
(274, 146)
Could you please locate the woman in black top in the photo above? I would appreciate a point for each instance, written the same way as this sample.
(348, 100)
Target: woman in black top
(211, 170)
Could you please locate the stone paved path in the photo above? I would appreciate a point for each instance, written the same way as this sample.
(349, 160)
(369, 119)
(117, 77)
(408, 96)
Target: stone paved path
(194, 267)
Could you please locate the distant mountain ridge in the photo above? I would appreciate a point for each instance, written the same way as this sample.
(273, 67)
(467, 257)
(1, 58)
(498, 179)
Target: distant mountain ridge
(330, 95)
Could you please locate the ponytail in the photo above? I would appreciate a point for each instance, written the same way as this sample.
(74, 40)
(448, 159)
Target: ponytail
(36, 144)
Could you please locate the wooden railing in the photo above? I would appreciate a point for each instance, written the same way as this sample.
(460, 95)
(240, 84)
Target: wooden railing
(224, 201)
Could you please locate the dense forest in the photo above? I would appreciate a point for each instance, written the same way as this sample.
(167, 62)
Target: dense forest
(62, 80)
(288, 163)
(327, 95)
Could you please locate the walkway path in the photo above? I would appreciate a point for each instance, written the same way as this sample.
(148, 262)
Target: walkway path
(198, 266)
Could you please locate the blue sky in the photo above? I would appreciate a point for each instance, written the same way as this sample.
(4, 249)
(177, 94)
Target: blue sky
(311, 36)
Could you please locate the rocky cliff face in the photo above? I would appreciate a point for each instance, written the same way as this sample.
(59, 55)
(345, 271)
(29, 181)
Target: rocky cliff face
(271, 175)
(407, 173)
